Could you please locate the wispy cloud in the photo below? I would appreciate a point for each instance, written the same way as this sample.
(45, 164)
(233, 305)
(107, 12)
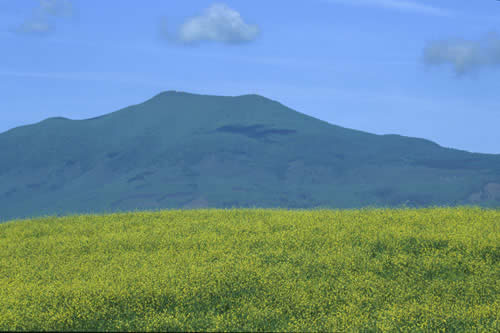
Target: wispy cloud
(116, 77)
(62, 8)
(466, 56)
(218, 23)
(39, 22)
(400, 5)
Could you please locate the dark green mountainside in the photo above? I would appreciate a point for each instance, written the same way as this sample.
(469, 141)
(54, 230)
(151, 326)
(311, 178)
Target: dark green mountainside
(180, 150)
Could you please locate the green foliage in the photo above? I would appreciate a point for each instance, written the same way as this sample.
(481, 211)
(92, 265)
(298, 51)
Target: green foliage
(433, 269)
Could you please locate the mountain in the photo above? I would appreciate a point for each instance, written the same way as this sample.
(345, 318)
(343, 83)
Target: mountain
(181, 150)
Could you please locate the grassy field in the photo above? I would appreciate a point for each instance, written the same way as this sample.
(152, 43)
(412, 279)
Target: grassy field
(434, 269)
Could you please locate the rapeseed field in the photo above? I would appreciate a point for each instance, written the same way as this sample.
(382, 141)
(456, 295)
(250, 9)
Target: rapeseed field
(432, 269)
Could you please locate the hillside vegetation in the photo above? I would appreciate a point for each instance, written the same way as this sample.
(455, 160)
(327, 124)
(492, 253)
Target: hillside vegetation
(254, 270)
(182, 151)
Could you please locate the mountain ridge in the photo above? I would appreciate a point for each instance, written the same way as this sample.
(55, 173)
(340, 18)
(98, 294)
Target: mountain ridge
(168, 93)
(227, 151)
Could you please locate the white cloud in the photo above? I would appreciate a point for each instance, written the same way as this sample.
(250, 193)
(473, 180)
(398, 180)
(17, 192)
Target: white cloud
(218, 23)
(466, 56)
(401, 5)
(39, 23)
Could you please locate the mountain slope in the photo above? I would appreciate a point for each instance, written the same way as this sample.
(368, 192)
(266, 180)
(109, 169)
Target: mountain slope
(181, 150)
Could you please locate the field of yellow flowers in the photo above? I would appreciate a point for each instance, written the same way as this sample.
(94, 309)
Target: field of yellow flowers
(374, 269)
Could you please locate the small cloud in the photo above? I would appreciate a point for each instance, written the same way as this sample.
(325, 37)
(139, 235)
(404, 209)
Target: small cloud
(218, 23)
(466, 56)
(61, 8)
(34, 26)
(38, 23)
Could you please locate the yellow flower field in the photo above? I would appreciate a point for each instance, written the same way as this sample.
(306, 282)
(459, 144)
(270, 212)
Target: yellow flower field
(433, 269)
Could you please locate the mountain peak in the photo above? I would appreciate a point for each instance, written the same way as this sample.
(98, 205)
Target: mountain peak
(171, 93)
(183, 93)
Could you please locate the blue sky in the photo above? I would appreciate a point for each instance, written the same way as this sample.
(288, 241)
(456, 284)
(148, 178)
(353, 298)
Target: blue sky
(417, 68)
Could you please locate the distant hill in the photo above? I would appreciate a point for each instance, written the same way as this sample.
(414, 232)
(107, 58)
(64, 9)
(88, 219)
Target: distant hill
(181, 150)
